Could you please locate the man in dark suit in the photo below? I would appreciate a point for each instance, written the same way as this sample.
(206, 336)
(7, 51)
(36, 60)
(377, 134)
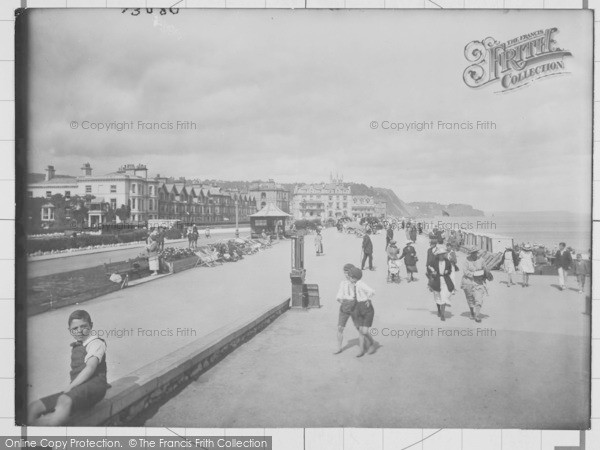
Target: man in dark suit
(563, 260)
(389, 236)
(367, 246)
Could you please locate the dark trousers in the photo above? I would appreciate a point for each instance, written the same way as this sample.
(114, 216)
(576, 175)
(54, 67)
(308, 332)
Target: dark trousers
(365, 256)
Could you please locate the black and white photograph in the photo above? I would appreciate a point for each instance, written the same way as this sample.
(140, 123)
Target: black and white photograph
(277, 218)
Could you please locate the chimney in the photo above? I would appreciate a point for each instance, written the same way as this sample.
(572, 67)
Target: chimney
(87, 170)
(50, 172)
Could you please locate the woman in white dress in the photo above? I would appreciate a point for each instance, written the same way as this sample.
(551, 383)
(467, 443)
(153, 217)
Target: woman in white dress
(509, 261)
(527, 264)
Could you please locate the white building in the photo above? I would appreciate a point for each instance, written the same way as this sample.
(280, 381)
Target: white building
(363, 206)
(128, 186)
(322, 201)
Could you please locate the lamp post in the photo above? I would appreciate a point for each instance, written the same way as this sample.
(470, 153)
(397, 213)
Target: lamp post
(237, 231)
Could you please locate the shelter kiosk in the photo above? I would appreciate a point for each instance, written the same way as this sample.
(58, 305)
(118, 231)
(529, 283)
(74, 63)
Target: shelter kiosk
(271, 219)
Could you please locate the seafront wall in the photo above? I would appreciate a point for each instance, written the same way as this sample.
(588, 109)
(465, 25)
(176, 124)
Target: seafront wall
(133, 398)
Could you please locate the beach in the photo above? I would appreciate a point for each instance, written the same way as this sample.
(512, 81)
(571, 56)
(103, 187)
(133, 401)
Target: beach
(546, 228)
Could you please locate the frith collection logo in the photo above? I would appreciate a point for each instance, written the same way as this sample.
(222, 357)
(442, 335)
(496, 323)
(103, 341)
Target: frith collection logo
(515, 63)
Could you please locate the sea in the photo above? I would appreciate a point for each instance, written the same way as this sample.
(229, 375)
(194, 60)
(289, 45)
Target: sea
(546, 228)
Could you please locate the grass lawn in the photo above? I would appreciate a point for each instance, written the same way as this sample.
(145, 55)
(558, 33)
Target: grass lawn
(68, 288)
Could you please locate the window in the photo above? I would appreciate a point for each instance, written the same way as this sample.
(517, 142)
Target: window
(48, 213)
(133, 203)
(88, 189)
(113, 188)
(133, 188)
(48, 194)
(151, 190)
(113, 203)
(345, 205)
(263, 195)
(67, 194)
(150, 204)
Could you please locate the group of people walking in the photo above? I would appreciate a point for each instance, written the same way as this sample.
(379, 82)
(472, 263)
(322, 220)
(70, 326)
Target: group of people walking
(442, 267)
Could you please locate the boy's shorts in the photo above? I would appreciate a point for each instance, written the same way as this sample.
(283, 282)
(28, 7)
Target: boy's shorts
(364, 314)
(347, 310)
(83, 396)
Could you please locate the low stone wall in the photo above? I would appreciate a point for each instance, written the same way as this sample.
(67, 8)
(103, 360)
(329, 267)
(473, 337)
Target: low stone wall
(135, 397)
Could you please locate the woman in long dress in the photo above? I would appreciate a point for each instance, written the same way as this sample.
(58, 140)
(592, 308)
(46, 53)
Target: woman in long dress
(509, 261)
(527, 264)
(319, 243)
(440, 281)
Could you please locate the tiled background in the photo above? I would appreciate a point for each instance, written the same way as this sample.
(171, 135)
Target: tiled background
(283, 439)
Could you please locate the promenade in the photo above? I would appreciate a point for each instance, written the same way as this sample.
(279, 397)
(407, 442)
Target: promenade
(145, 323)
(525, 366)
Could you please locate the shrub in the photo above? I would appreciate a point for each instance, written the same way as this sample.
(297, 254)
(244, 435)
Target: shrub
(82, 240)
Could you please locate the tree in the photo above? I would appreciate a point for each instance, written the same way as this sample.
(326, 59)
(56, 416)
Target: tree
(123, 213)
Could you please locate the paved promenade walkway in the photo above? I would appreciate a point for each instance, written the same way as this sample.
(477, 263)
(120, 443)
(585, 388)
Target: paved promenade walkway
(525, 366)
(155, 319)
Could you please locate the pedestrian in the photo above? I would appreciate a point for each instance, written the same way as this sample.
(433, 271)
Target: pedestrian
(207, 232)
(475, 276)
(392, 251)
(430, 255)
(453, 260)
(88, 377)
(389, 236)
(364, 311)
(440, 281)
(509, 262)
(526, 264)
(162, 232)
(393, 262)
(413, 233)
(409, 254)
(153, 248)
(580, 270)
(346, 297)
(319, 243)
(367, 248)
(563, 261)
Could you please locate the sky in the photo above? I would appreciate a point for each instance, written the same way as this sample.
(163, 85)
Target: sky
(292, 95)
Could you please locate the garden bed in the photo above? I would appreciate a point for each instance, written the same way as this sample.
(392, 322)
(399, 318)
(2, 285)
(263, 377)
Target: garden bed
(58, 290)
(179, 265)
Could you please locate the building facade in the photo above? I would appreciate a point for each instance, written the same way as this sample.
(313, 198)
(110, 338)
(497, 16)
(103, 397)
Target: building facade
(363, 206)
(145, 198)
(322, 201)
(271, 192)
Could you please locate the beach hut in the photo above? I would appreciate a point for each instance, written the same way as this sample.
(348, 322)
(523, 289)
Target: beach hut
(493, 243)
(271, 219)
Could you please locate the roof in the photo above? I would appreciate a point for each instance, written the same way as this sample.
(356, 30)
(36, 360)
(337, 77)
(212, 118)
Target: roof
(270, 210)
(61, 179)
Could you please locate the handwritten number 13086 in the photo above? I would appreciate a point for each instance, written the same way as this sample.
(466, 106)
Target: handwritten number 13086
(138, 11)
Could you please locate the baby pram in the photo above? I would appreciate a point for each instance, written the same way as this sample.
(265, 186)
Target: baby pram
(393, 275)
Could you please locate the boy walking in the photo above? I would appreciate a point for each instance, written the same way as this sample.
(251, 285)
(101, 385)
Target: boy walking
(580, 269)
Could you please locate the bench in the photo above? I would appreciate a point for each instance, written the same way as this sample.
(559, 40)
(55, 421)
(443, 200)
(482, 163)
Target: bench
(127, 269)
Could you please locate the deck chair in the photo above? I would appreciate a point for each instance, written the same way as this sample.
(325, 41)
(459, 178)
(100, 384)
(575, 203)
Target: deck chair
(207, 259)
